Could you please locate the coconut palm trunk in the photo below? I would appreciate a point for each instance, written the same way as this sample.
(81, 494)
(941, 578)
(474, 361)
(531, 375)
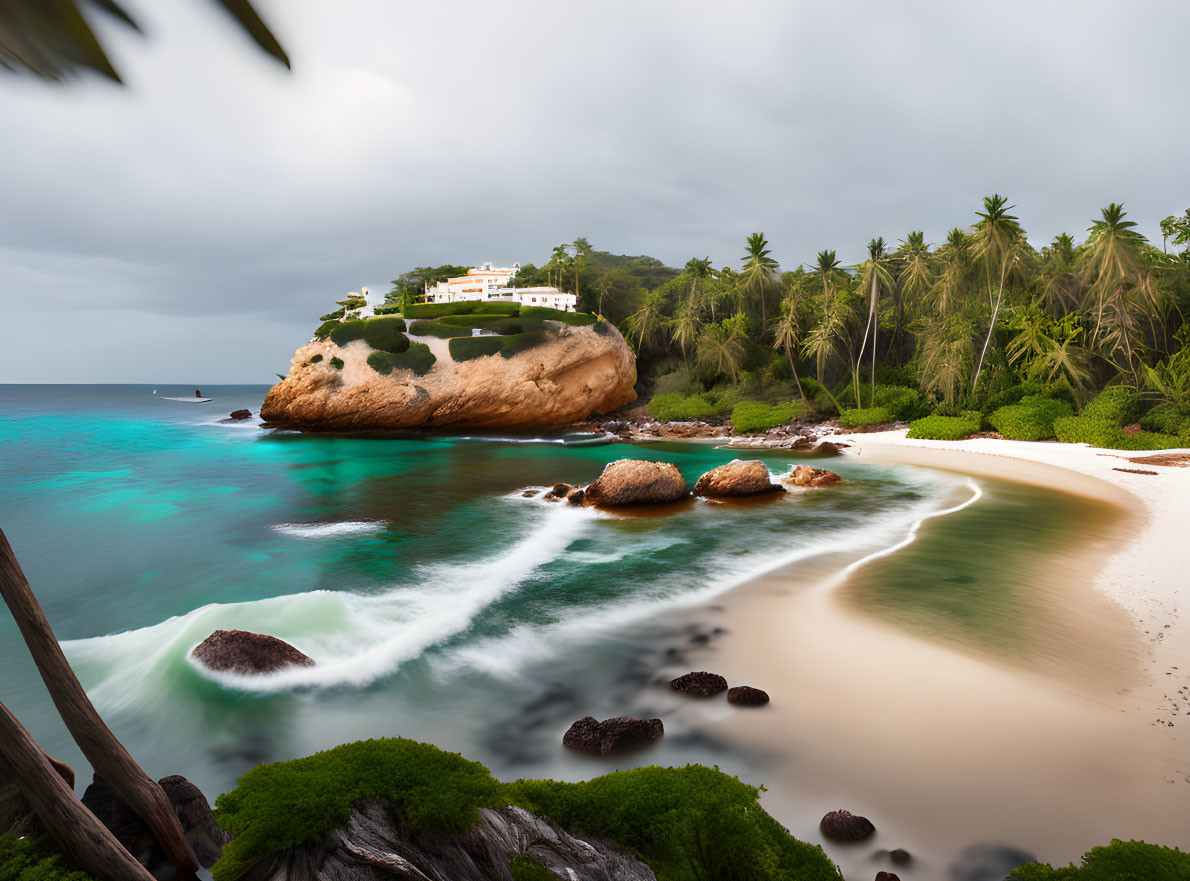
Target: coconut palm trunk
(75, 830)
(106, 754)
(991, 327)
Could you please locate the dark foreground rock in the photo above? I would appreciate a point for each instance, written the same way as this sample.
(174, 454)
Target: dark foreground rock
(636, 482)
(845, 826)
(240, 651)
(241, 414)
(376, 845)
(194, 813)
(887, 876)
(747, 696)
(590, 735)
(699, 683)
(987, 862)
(737, 478)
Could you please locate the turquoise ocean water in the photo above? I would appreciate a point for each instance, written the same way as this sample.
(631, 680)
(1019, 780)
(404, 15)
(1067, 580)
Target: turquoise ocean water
(437, 602)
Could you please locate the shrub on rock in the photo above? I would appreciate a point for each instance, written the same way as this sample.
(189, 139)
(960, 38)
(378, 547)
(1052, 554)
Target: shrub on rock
(386, 334)
(417, 358)
(470, 347)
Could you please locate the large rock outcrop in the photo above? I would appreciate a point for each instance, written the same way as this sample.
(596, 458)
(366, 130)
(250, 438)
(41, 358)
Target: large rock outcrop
(376, 845)
(575, 373)
(241, 651)
(636, 482)
(737, 478)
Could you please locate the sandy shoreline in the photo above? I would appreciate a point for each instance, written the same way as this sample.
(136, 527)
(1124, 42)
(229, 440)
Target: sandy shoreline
(942, 748)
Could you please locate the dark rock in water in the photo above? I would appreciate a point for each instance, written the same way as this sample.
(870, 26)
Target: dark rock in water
(636, 482)
(241, 414)
(737, 478)
(987, 862)
(240, 651)
(845, 826)
(575, 497)
(700, 639)
(900, 857)
(590, 735)
(747, 696)
(887, 876)
(699, 684)
(375, 845)
(559, 491)
(194, 813)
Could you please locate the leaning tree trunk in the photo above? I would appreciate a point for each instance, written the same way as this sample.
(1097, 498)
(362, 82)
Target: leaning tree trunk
(75, 830)
(106, 754)
(991, 328)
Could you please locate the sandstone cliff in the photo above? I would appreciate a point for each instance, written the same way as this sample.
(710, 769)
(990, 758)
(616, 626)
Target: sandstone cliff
(574, 373)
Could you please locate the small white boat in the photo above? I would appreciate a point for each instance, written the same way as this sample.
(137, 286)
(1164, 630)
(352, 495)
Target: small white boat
(188, 400)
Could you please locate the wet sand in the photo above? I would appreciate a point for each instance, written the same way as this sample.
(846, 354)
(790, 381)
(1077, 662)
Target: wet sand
(942, 745)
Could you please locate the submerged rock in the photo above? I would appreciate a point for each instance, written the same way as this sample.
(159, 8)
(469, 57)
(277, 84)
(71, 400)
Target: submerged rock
(572, 373)
(590, 735)
(241, 414)
(636, 482)
(737, 478)
(576, 497)
(699, 684)
(194, 813)
(375, 845)
(747, 696)
(845, 826)
(240, 651)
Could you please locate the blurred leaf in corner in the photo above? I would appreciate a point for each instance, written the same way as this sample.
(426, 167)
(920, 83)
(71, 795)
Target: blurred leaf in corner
(54, 40)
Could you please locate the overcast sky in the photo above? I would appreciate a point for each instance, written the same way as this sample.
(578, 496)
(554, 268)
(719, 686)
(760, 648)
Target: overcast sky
(192, 226)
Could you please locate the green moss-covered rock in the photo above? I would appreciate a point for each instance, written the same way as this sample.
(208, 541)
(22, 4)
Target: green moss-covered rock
(471, 347)
(386, 334)
(417, 358)
(438, 329)
(337, 363)
(324, 329)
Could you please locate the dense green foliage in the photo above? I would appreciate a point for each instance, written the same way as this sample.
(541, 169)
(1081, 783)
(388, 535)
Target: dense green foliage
(688, 824)
(1118, 404)
(417, 358)
(1166, 419)
(463, 307)
(324, 329)
(524, 869)
(337, 363)
(1109, 435)
(471, 347)
(574, 319)
(29, 859)
(386, 334)
(438, 329)
(854, 418)
(413, 283)
(1032, 419)
(752, 416)
(1118, 861)
(900, 402)
(937, 427)
(676, 407)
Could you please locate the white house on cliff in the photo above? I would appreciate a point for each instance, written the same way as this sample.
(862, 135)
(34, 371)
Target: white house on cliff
(487, 282)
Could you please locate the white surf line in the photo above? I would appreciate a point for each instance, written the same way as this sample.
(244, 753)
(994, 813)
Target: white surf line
(833, 583)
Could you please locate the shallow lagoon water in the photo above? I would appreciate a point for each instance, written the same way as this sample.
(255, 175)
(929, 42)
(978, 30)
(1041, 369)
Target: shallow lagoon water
(438, 602)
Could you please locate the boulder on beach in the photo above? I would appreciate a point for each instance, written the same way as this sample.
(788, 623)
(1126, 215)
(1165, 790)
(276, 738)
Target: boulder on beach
(747, 696)
(240, 651)
(636, 482)
(845, 826)
(699, 683)
(241, 414)
(804, 475)
(590, 735)
(737, 478)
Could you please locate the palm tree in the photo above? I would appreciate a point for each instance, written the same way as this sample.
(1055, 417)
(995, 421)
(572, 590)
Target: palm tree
(55, 41)
(557, 262)
(954, 262)
(643, 322)
(1060, 286)
(916, 274)
(787, 334)
(1112, 267)
(720, 351)
(582, 250)
(999, 241)
(683, 329)
(875, 273)
(759, 269)
(827, 268)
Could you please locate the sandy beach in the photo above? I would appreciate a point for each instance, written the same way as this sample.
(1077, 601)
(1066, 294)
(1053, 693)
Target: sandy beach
(943, 748)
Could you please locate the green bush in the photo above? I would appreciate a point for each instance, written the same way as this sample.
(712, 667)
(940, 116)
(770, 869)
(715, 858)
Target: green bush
(417, 358)
(748, 417)
(946, 427)
(603, 328)
(687, 823)
(681, 381)
(1118, 861)
(574, 319)
(819, 396)
(1110, 435)
(1032, 419)
(1118, 404)
(391, 309)
(867, 416)
(33, 859)
(324, 329)
(337, 363)
(676, 407)
(900, 402)
(386, 334)
(1011, 395)
(524, 869)
(471, 347)
(1165, 418)
(315, 359)
(464, 307)
(438, 329)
